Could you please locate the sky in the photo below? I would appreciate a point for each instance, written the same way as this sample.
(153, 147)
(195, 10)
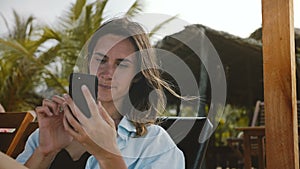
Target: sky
(237, 17)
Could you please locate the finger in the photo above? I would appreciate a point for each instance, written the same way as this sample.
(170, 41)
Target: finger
(43, 111)
(53, 108)
(72, 125)
(69, 128)
(40, 111)
(74, 109)
(59, 101)
(72, 121)
(90, 101)
(105, 115)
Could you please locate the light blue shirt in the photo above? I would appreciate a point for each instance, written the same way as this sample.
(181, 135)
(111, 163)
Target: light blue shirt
(31, 144)
(155, 150)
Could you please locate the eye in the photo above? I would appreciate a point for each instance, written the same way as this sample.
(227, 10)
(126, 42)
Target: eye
(124, 65)
(101, 60)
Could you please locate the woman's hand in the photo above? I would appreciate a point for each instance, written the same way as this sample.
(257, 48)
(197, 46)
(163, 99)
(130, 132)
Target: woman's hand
(97, 133)
(52, 135)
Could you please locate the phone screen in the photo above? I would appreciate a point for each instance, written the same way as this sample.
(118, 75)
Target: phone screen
(76, 81)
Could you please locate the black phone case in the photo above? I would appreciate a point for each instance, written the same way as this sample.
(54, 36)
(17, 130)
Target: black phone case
(76, 81)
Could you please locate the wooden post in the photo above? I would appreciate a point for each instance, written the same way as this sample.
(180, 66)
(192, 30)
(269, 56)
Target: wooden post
(280, 84)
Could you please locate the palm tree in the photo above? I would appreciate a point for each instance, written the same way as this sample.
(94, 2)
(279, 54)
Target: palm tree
(37, 60)
(21, 68)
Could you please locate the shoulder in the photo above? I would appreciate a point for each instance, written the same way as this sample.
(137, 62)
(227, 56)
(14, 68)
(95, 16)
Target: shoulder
(155, 131)
(159, 134)
(34, 137)
(157, 140)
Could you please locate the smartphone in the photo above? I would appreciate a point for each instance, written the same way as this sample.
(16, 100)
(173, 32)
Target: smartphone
(76, 82)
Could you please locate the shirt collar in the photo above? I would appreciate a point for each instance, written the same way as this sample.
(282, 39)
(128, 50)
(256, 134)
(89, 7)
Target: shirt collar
(126, 127)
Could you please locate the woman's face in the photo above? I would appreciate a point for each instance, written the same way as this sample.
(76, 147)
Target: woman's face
(115, 64)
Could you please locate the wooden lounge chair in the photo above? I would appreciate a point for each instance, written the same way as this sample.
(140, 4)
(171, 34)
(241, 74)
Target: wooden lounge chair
(256, 148)
(13, 125)
(32, 126)
(187, 133)
(258, 119)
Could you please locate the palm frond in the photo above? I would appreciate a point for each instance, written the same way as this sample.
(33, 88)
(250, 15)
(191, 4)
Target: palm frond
(6, 25)
(160, 25)
(22, 27)
(97, 18)
(13, 46)
(77, 8)
(28, 27)
(135, 8)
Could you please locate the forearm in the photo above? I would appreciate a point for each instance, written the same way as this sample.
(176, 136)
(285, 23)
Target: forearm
(39, 160)
(8, 162)
(111, 161)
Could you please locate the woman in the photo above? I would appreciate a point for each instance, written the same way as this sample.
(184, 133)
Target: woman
(120, 132)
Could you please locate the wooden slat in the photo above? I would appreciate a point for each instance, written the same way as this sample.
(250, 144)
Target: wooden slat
(15, 120)
(280, 84)
(27, 119)
(19, 147)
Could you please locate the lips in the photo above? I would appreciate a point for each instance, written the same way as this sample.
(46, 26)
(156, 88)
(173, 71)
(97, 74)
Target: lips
(105, 86)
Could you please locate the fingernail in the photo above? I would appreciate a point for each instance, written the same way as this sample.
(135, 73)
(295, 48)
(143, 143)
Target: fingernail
(66, 96)
(84, 87)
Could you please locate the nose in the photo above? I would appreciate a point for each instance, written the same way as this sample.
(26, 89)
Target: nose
(106, 71)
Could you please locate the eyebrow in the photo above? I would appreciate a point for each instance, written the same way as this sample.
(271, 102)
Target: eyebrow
(119, 59)
(100, 54)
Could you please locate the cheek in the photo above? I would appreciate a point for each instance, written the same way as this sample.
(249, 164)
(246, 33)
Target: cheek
(96, 70)
(123, 78)
(93, 72)
(93, 69)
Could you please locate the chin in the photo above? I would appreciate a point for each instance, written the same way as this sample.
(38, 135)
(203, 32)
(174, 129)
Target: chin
(105, 99)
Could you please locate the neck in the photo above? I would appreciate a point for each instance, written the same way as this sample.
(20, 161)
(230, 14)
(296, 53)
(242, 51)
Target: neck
(75, 150)
(110, 107)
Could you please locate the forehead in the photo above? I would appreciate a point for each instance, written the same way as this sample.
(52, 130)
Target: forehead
(114, 45)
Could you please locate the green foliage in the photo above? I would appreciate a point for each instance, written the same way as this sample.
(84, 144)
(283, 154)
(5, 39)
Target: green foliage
(29, 70)
(20, 68)
(135, 8)
(36, 60)
(232, 117)
(185, 111)
(169, 111)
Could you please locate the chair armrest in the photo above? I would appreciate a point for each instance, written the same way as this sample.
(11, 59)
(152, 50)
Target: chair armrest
(234, 141)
